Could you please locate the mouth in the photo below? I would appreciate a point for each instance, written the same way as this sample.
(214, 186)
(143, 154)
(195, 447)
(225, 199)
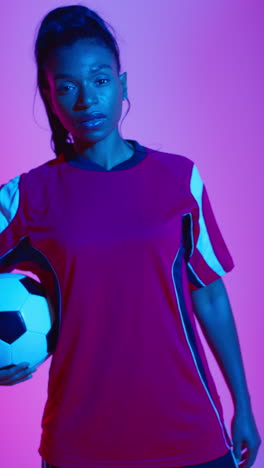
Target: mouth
(94, 122)
(92, 116)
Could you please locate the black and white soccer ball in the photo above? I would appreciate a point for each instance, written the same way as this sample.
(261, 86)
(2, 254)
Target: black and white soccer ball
(28, 321)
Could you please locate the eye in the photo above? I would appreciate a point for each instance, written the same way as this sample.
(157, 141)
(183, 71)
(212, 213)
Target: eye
(64, 88)
(102, 79)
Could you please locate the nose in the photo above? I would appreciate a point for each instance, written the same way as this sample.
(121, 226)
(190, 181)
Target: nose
(86, 97)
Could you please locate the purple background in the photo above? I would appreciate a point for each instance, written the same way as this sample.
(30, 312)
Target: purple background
(195, 82)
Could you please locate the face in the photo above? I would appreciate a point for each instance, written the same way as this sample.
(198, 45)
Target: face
(82, 89)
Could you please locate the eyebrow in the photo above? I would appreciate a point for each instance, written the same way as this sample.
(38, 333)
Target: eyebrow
(93, 69)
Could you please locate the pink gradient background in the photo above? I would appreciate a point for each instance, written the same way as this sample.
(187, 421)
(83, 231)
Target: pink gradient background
(195, 82)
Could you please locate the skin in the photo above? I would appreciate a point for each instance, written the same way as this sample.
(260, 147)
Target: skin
(106, 147)
(213, 311)
(16, 374)
(83, 92)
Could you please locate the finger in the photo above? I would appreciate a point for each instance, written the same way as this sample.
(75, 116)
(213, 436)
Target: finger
(21, 380)
(12, 370)
(14, 367)
(20, 367)
(16, 380)
(9, 374)
(18, 376)
(24, 373)
(251, 457)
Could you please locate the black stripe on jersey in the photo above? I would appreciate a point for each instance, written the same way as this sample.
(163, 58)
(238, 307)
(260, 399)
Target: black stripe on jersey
(23, 252)
(188, 244)
(187, 238)
(47, 465)
(177, 275)
(20, 257)
(193, 278)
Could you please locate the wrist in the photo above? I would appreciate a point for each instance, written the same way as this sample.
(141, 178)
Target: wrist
(242, 403)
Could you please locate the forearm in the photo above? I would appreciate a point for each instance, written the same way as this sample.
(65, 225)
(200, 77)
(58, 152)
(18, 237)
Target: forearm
(218, 325)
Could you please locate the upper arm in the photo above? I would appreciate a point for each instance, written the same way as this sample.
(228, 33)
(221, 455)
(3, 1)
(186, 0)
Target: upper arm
(203, 298)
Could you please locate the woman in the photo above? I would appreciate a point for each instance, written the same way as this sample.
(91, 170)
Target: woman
(127, 238)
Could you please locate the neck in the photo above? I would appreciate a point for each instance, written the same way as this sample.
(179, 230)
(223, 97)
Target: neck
(107, 153)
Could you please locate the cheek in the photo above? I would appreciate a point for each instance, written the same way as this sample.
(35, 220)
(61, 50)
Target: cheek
(116, 100)
(62, 108)
(61, 105)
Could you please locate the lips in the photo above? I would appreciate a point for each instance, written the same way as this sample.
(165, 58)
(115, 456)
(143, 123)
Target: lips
(92, 116)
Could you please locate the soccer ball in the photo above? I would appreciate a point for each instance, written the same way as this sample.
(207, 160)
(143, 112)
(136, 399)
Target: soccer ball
(28, 322)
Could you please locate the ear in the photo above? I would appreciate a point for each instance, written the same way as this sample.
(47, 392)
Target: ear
(123, 80)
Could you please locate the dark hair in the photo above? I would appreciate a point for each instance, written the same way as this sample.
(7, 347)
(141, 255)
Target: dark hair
(63, 26)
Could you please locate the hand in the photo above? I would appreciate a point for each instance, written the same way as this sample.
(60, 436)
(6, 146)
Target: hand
(246, 438)
(16, 374)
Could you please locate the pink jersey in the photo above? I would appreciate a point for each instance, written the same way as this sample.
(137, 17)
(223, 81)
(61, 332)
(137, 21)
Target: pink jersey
(120, 250)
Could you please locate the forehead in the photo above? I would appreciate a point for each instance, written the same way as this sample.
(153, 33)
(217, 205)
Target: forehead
(81, 56)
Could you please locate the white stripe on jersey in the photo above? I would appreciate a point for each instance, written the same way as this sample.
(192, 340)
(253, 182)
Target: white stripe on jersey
(9, 201)
(204, 244)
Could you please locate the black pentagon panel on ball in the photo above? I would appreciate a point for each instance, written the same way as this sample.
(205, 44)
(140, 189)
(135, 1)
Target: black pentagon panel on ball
(12, 326)
(33, 287)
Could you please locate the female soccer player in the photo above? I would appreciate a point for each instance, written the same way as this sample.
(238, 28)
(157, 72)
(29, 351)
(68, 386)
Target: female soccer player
(128, 237)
